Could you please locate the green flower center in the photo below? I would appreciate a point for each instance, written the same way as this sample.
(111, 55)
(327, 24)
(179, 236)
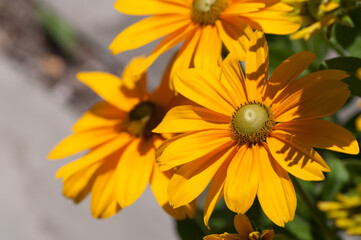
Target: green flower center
(252, 123)
(143, 118)
(206, 12)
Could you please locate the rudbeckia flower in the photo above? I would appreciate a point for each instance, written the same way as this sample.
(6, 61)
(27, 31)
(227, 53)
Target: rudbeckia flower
(247, 133)
(120, 160)
(345, 211)
(245, 231)
(315, 16)
(202, 25)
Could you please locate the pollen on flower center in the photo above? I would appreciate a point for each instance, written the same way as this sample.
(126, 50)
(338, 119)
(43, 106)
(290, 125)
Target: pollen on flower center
(252, 123)
(206, 12)
(143, 118)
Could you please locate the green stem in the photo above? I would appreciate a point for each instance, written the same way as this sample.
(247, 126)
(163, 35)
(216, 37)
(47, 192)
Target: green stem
(327, 232)
(336, 48)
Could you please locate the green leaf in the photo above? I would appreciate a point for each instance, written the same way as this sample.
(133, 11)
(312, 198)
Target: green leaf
(354, 167)
(189, 229)
(282, 237)
(300, 228)
(349, 37)
(336, 179)
(58, 31)
(350, 65)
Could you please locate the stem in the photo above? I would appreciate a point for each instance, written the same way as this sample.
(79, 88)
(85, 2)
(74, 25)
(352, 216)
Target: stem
(328, 233)
(336, 48)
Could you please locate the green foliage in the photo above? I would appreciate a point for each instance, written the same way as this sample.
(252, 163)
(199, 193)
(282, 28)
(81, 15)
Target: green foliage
(300, 228)
(189, 229)
(350, 37)
(336, 179)
(350, 65)
(58, 31)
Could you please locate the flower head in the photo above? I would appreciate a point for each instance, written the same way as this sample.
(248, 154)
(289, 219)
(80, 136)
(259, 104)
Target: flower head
(316, 15)
(248, 132)
(358, 122)
(245, 231)
(358, 119)
(117, 133)
(345, 211)
(202, 25)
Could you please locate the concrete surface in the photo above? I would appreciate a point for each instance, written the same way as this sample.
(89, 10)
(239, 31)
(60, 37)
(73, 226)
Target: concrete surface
(101, 22)
(31, 204)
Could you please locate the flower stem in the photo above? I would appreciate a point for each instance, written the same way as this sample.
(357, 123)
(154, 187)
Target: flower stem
(338, 49)
(328, 233)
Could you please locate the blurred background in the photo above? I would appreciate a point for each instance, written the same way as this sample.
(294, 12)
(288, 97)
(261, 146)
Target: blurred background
(43, 44)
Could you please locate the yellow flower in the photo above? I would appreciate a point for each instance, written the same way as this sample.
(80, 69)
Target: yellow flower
(248, 132)
(316, 15)
(358, 122)
(358, 119)
(202, 25)
(345, 211)
(245, 231)
(117, 134)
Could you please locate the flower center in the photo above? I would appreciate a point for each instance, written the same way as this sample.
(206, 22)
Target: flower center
(206, 12)
(143, 118)
(252, 123)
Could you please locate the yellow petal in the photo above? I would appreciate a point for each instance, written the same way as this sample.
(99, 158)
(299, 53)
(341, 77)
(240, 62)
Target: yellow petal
(271, 19)
(288, 71)
(108, 86)
(185, 55)
(215, 192)
(205, 58)
(131, 80)
(191, 118)
(241, 184)
(82, 141)
(301, 161)
(190, 180)
(188, 147)
(310, 97)
(138, 34)
(133, 171)
(103, 200)
(150, 7)
(94, 155)
(167, 43)
(233, 80)
(101, 114)
(243, 225)
(163, 94)
(205, 89)
(242, 7)
(321, 134)
(235, 34)
(224, 236)
(275, 191)
(358, 123)
(159, 183)
(78, 185)
(315, 28)
(256, 66)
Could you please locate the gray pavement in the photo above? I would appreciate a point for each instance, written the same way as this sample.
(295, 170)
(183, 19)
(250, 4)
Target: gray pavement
(31, 203)
(32, 121)
(100, 22)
